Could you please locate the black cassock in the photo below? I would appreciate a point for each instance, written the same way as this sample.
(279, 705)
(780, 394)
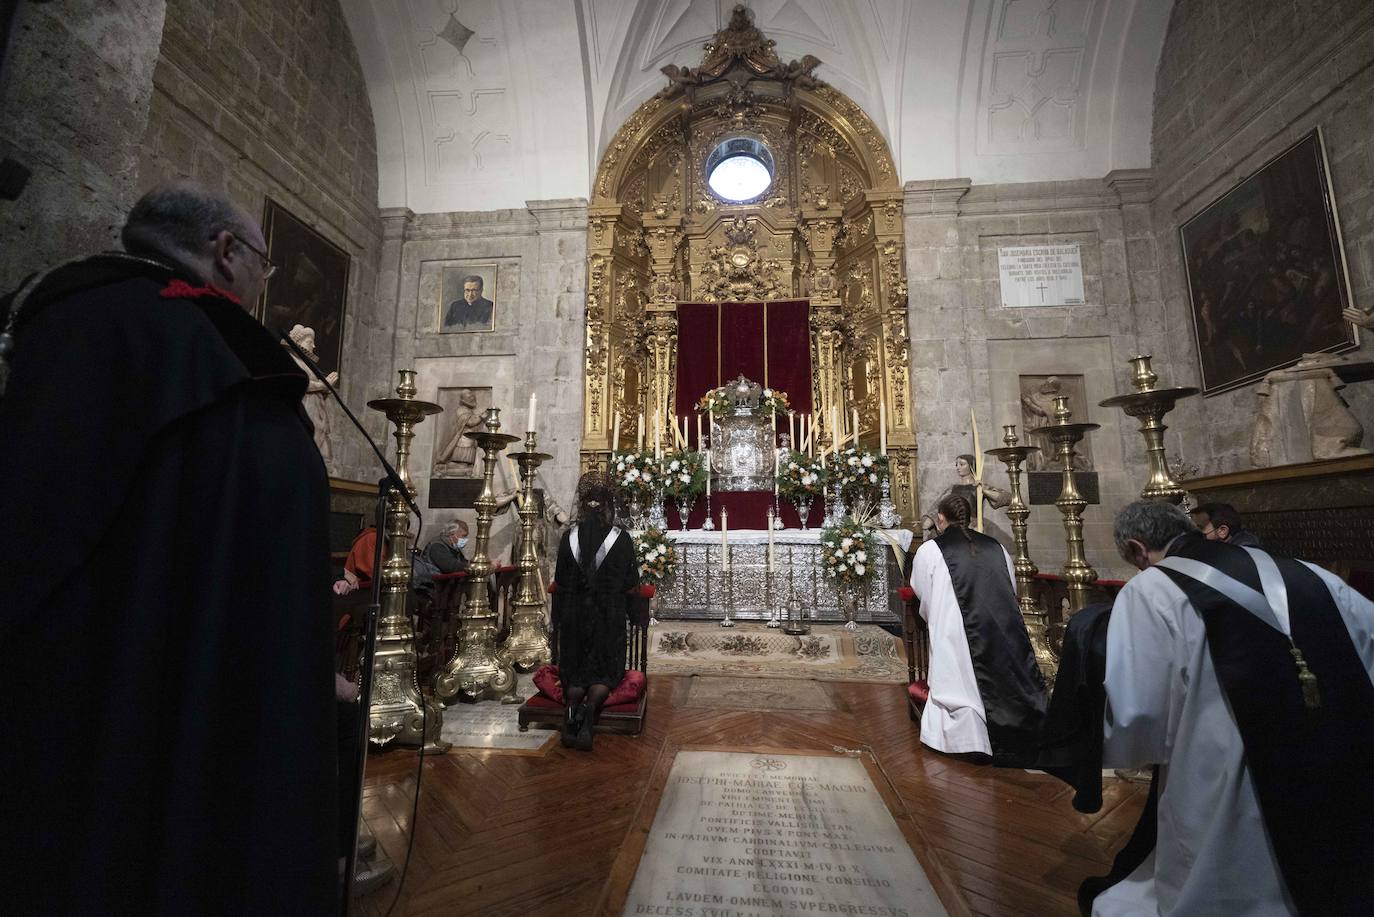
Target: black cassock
(165, 637)
(592, 603)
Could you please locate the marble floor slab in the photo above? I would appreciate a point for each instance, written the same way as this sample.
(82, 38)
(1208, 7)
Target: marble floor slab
(719, 693)
(758, 835)
(491, 724)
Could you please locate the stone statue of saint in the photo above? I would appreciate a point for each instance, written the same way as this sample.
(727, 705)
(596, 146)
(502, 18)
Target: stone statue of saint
(458, 458)
(967, 487)
(316, 397)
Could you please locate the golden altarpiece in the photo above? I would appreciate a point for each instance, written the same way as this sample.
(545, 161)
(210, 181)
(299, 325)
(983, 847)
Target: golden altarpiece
(828, 228)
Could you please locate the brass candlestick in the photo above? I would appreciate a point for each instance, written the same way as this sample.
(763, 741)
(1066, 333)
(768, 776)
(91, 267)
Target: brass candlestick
(1065, 435)
(1150, 404)
(527, 646)
(475, 671)
(399, 711)
(1037, 620)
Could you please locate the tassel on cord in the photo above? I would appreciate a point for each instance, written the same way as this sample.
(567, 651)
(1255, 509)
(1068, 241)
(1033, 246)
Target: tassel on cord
(1311, 695)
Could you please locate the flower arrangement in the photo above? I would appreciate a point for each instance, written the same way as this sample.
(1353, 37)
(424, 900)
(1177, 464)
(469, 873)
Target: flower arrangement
(849, 552)
(720, 402)
(800, 477)
(859, 472)
(636, 474)
(684, 474)
(657, 558)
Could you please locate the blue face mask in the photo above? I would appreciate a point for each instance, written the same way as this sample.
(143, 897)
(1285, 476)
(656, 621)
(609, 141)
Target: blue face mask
(462, 541)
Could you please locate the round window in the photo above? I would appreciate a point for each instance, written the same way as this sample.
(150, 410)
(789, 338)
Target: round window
(739, 169)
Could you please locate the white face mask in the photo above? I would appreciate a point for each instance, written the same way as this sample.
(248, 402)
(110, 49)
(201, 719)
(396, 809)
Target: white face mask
(461, 542)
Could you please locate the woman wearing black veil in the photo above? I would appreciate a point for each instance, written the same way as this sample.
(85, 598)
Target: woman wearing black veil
(596, 571)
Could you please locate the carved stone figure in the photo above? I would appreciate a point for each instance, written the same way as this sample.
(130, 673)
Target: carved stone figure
(1302, 417)
(458, 458)
(316, 397)
(1037, 410)
(966, 486)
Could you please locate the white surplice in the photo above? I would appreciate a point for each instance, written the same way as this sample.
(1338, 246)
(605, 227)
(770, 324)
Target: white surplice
(1165, 706)
(954, 720)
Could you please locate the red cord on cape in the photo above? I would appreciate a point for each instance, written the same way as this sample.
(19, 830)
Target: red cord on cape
(906, 593)
(180, 289)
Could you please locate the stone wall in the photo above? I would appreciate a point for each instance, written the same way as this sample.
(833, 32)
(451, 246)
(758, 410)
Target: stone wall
(72, 109)
(539, 257)
(968, 351)
(266, 98)
(1237, 83)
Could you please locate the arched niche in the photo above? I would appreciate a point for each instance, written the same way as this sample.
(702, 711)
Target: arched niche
(827, 229)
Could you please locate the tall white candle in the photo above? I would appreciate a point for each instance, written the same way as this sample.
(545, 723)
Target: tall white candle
(855, 415)
(529, 424)
(699, 432)
(707, 457)
(724, 539)
(882, 427)
(615, 436)
(770, 539)
(835, 434)
(658, 436)
(792, 428)
(640, 445)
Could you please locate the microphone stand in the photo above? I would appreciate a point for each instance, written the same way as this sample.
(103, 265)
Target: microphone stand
(390, 482)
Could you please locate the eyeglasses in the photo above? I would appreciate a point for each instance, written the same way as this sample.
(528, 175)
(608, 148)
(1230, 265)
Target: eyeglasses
(268, 268)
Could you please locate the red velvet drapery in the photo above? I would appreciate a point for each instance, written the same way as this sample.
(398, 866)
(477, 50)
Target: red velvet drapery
(767, 342)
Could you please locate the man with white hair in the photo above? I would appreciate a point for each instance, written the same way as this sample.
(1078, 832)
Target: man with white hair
(192, 603)
(1246, 678)
(446, 551)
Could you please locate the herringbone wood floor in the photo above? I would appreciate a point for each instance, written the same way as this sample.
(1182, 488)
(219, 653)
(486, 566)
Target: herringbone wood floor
(506, 834)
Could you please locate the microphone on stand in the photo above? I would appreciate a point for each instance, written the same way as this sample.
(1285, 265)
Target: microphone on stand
(389, 482)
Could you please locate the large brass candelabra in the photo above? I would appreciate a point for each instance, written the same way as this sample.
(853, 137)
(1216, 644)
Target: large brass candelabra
(475, 671)
(527, 647)
(1149, 405)
(1065, 434)
(399, 712)
(1037, 620)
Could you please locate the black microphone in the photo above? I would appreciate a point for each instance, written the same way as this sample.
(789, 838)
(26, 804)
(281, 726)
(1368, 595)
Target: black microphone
(391, 474)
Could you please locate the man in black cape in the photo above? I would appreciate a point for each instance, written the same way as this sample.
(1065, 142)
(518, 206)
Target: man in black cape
(165, 637)
(1245, 679)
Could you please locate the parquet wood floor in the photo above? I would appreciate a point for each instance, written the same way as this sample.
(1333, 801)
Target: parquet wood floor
(506, 834)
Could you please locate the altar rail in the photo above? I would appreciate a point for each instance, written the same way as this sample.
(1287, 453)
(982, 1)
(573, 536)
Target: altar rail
(703, 591)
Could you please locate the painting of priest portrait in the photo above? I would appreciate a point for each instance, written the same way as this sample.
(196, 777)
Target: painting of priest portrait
(467, 299)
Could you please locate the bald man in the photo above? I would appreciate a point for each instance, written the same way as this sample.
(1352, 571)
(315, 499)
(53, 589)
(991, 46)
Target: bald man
(189, 612)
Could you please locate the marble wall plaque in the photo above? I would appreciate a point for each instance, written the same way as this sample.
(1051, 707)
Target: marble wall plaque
(756, 835)
(490, 724)
(1040, 275)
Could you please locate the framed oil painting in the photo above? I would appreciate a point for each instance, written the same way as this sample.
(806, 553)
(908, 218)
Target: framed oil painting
(310, 286)
(1266, 272)
(467, 298)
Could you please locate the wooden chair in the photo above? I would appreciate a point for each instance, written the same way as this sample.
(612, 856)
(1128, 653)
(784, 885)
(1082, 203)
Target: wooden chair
(916, 636)
(622, 719)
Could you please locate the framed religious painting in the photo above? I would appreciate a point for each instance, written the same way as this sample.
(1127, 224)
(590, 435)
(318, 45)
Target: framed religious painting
(467, 298)
(1266, 271)
(310, 286)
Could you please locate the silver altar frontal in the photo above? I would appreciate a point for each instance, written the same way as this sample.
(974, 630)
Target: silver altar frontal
(704, 591)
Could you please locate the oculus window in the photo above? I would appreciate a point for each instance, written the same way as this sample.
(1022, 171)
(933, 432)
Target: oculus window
(739, 169)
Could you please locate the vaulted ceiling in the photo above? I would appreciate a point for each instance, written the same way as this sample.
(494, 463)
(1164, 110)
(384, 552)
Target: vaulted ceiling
(485, 104)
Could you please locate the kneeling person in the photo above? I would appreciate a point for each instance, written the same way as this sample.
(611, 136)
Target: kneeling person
(986, 693)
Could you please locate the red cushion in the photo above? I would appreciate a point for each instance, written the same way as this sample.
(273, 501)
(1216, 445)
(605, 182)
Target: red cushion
(627, 692)
(919, 691)
(906, 593)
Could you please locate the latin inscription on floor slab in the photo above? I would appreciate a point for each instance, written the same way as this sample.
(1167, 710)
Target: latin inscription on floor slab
(753, 835)
(490, 724)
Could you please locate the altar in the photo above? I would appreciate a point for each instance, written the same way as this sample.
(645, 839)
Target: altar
(702, 590)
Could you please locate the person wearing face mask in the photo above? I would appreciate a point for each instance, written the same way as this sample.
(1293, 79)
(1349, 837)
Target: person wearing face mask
(446, 551)
(141, 396)
(1245, 679)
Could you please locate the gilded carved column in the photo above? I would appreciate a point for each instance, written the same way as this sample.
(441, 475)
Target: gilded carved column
(663, 235)
(886, 209)
(819, 227)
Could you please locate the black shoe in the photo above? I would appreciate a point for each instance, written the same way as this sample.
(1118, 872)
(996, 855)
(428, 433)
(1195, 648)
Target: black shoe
(584, 734)
(572, 725)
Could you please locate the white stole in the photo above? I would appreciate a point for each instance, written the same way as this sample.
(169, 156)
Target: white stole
(606, 545)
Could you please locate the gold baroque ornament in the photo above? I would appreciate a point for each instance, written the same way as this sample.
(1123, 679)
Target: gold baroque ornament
(736, 273)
